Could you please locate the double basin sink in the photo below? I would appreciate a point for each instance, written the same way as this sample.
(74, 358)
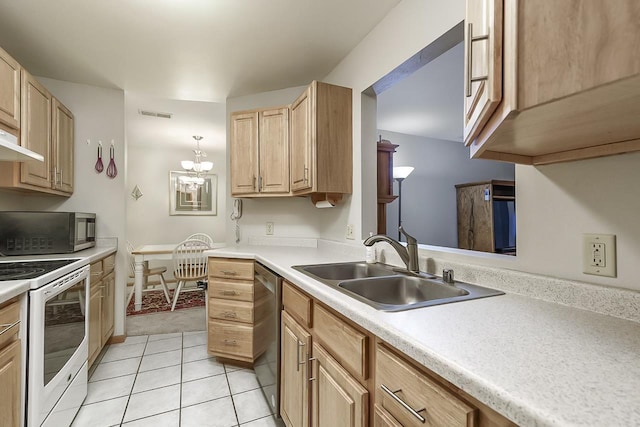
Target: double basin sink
(386, 288)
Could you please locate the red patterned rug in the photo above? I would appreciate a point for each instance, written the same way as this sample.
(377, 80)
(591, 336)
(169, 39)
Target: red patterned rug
(154, 302)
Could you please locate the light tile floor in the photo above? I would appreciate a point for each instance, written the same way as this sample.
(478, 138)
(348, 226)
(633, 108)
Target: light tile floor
(169, 380)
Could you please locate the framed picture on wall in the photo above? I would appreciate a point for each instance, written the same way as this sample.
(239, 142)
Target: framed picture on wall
(192, 195)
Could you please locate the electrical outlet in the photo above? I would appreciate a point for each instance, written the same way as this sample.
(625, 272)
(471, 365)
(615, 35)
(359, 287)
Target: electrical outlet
(599, 254)
(269, 228)
(350, 234)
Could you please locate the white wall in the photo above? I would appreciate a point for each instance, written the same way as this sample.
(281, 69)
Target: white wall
(556, 203)
(156, 146)
(292, 216)
(429, 208)
(99, 114)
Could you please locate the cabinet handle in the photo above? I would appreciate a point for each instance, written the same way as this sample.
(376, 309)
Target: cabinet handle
(229, 293)
(230, 343)
(298, 362)
(260, 185)
(229, 272)
(229, 315)
(403, 403)
(306, 173)
(97, 273)
(8, 326)
(254, 182)
(60, 177)
(310, 359)
(469, 40)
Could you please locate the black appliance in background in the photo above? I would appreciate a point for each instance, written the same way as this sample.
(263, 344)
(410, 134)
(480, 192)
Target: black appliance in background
(37, 233)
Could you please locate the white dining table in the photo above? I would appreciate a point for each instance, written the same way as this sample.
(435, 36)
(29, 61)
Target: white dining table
(141, 257)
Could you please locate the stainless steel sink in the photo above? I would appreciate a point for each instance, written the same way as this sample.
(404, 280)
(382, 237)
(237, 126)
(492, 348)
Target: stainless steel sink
(385, 288)
(346, 270)
(400, 290)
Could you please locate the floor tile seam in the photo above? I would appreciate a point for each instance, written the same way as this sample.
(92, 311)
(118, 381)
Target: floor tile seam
(181, 376)
(204, 401)
(160, 352)
(154, 388)
(245, 391)
(202, 378)
(233, 402)
(147, 416)
(134, 383)
(111, 378)
(161, 367)
(126, 344)
(118, 360)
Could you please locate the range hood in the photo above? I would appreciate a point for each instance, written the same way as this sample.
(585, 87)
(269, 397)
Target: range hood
(12, 152)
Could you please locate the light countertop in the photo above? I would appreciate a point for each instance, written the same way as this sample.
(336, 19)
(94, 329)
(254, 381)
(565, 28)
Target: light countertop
(538, 363)
(13, 288)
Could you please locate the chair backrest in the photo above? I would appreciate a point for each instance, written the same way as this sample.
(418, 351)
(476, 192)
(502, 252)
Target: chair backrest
(132, 264)
(202, 237)
(189, 260)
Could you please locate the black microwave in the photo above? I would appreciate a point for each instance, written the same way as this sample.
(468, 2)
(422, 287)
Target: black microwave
(37, 233)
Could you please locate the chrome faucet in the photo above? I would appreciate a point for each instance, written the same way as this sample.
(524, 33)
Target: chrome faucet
(408, 254)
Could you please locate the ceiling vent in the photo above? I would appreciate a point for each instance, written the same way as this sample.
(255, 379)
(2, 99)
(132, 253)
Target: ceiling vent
(155, 114)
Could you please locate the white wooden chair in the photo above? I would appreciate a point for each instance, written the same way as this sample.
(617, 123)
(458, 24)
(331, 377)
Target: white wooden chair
(148, 272)
(189, 264)
(202, 237)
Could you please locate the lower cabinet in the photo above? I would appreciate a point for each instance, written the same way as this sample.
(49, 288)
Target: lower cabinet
(329, 378)
(10, 364)
(101, 305)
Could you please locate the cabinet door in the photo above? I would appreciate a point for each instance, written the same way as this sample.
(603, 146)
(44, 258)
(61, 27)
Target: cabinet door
(302, 141)
(36, 131)
(62, 143)
(337, 399)
(9, 90)
(274, 151)
(10, 385)
(483, 64)
(95, 316)
(475, 218)
(294, 378)
(244, 153)
(108, 302)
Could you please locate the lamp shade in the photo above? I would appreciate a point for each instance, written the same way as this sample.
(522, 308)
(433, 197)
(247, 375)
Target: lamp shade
(206, 166)
(401, 172)
(186, 164)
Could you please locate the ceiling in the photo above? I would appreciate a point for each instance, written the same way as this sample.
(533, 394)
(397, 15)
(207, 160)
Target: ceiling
(429, 102)
(198, 50)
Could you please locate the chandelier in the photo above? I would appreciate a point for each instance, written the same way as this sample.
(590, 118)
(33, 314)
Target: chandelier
(197, 166)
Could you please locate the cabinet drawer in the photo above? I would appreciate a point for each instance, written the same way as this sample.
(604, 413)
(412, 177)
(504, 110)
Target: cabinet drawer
(231, 289)
(348, 345)
(109, 263)
(427, 398)
(381, 418)
(231, 268)
(9, 322)
(236, 311)
(96, 271)
(296, 303)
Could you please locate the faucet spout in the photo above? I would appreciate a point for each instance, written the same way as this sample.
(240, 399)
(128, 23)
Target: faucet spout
(409, 255)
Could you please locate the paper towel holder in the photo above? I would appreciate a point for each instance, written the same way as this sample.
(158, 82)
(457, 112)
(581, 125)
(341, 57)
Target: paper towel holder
(326, 200)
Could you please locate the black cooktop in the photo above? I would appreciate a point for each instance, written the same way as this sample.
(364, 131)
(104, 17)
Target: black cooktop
(20, 270)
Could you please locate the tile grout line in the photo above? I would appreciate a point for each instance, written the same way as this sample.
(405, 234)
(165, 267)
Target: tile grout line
(181, 373)
(134, 383)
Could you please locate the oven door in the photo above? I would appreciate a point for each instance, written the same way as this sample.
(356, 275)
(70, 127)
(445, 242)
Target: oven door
(58, 349)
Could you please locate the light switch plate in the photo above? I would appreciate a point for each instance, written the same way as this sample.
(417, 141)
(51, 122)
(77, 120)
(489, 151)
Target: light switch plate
(599, 254)
(269, 228)
(350, 233)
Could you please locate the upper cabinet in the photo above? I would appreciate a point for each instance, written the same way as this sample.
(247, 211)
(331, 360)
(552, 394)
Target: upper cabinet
(260, 152)
(47, 128)
(321, 140)
(548, 82)
(9, 91)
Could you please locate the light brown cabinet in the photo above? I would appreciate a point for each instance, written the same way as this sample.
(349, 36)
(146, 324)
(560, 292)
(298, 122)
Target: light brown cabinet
(260, 152)
(333, 373)
(101, 304)
(239, 311)
(318, 384)
(321, 140)
(570, 89)
(484, 220)
(9, 92)
(47, 128)
(10, 364)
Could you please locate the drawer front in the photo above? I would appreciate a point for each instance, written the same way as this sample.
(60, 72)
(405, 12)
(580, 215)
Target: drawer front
(96, 271)
(381, 418)
(241, 269)
(229, 338)
(231, 290)
(108, 264)
(347, 345)
(297, 304)
(426, 397)
(9, 322)
(235, 311)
